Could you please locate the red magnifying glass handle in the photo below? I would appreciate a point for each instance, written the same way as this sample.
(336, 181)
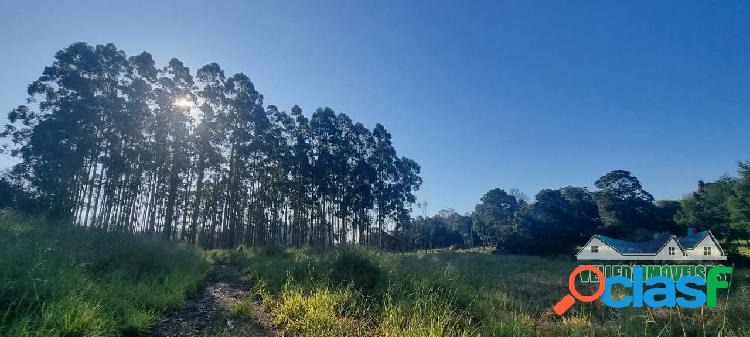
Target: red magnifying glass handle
(564, 304)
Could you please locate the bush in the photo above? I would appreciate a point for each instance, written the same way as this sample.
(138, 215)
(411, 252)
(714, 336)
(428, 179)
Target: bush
(243, 308)
(57, 280)
(356, 269)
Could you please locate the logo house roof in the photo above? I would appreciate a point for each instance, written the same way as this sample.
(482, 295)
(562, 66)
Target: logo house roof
(653, 247)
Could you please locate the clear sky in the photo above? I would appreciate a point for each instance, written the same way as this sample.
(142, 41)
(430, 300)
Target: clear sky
(481, 94)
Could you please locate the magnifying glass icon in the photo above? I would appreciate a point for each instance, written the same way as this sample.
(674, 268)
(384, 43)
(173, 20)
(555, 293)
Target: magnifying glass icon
(568, 300)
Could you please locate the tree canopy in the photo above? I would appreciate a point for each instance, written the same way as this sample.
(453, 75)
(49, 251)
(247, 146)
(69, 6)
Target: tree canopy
(119, 143)
(558, 221)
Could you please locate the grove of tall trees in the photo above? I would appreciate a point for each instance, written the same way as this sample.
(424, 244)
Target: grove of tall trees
(116, 142)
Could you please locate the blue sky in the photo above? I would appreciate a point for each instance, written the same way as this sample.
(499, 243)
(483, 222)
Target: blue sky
(481, 94)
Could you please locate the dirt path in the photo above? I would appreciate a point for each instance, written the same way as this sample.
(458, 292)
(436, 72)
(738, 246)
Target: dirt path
(206, 314)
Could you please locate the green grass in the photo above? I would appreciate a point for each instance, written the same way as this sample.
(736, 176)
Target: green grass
(243, 308)
(456, 293)
(62, 281)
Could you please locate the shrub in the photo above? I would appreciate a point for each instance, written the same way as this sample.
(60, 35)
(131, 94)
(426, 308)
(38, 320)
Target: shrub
(359, 271)
(57, 280)
(243, 308)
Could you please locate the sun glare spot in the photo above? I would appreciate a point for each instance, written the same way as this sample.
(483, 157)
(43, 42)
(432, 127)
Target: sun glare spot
(183, 102)
(190, 109)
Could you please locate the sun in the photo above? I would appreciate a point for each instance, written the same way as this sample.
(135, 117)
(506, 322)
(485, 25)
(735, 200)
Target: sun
(190, 108)
(183, 102)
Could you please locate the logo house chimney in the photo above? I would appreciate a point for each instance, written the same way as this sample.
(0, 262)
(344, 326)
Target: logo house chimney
(656, 235)
(691, 230)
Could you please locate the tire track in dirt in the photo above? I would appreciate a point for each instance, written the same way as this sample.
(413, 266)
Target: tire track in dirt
(206, 314)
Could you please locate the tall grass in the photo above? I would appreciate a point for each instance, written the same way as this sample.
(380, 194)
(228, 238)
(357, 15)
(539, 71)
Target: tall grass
(61, 281)
(456, 293)
(348, 293)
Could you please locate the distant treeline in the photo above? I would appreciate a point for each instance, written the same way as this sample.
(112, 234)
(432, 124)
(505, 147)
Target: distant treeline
(116, 142)
(558, 221)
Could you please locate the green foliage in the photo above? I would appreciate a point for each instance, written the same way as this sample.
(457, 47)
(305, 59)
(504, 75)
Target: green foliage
(665, 213)
(445, 229)
(351, 268)
(493, 218)
(243, 308)
(58, 281)
(426, 314)
(556, 223)
(320, 312)
(116, 142)
(13, 195)
(461, 293)
(624, 206)
(708, 206)
(739, 203)
(722, 206)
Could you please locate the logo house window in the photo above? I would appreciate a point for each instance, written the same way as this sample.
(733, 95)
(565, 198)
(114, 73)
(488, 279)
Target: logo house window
(706, 250)
(672, 250)
(594, 249)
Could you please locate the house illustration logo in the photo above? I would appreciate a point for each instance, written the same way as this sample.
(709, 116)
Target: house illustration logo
(700, 246)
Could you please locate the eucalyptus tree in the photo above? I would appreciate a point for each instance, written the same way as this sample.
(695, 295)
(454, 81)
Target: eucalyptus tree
(243, 103)
(66, 138)
(363, 176)
(383, 158)
(119, 143)
(208, 137)
(301, 174)
(173, 98)
(283, 125)
(350, 156)
(407, 182)
(138, 90)
(325, 167)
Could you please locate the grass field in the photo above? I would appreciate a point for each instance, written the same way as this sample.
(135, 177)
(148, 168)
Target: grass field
(456, 293)
(59, 281)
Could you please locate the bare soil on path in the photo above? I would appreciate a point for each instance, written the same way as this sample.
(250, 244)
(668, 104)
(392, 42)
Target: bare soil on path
(207, 313)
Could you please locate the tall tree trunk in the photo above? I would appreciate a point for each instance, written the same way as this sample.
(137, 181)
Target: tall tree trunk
(197, 201)
(171, 198)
